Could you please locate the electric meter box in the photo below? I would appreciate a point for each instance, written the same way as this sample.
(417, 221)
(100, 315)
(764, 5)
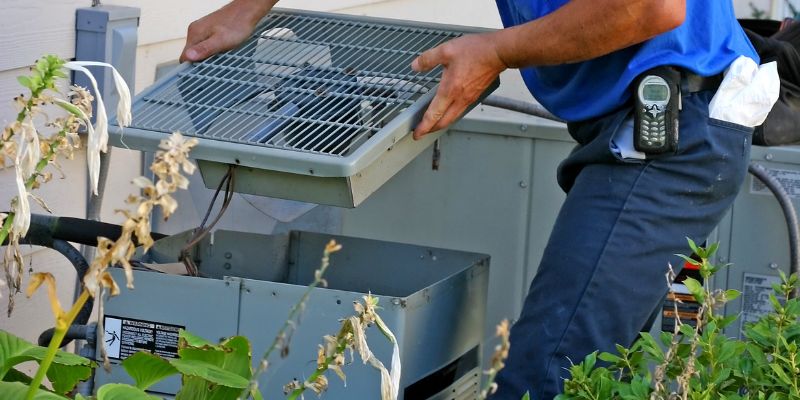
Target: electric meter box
(434, 301)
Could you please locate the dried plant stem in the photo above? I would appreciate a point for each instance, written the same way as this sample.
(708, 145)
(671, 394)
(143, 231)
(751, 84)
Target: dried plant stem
(341, 346)
(290, 322)
(45, 161)
(62, 324)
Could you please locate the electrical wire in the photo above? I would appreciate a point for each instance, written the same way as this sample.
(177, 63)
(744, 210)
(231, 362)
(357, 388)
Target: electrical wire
(789, 212)
(229, 181)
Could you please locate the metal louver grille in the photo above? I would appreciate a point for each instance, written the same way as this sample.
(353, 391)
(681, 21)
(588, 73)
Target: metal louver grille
(317, 107)
(301, 82)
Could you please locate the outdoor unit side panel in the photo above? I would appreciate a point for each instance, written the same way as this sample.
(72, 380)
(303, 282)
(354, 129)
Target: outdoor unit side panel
(205, 307)
(759, 242)
(264, 308)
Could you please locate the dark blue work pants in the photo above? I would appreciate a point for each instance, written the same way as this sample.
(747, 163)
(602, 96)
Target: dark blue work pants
(603, 270)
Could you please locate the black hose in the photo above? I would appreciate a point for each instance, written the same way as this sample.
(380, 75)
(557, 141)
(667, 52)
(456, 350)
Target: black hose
(78, 230)
(57, 232)
(789, 213)
(74, 332)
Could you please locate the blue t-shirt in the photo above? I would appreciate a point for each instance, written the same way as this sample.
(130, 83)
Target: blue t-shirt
(706, 43)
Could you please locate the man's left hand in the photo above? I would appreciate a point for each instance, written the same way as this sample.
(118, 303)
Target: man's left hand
(471, 64)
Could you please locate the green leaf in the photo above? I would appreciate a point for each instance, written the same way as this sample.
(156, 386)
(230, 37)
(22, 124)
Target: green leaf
(118, 391)
(18, 391)
(693, 245)
(210, 373)
(781, 373)
(696, 289)
(527, 396)
(25, 81)
(724, 322)
(712, 249)
(70, 108)
(690, 260)
(65, 377)
(188, 339)
(147, 369)
(238, 356)
(609, 358)
(16, 376)
(14, 350)
(650, 346)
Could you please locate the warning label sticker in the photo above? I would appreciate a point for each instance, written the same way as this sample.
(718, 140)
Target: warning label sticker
(788, 178)
(125, 337)
(755, 297)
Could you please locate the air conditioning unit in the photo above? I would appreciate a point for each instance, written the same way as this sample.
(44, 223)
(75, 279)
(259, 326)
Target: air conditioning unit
(313, 107)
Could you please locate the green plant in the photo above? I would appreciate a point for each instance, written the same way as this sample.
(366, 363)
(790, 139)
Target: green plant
(700, 362)
(66, 371)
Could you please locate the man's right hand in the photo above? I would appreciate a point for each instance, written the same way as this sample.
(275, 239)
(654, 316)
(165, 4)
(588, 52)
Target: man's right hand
(224, 29)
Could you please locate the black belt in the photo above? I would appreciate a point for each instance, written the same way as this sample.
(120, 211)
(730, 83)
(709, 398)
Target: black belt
(692, 83)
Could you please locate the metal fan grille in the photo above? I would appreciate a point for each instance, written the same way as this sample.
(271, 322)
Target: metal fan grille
(306, 83)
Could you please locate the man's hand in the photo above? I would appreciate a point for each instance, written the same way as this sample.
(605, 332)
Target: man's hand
(470, 64)
(223, 29)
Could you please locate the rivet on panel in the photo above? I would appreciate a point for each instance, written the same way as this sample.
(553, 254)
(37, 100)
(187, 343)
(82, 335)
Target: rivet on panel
(773, 265)
(523, 184)
(227, 266)
(769, 157)
(523, 128)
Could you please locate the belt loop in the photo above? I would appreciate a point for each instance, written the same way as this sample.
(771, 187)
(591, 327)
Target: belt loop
(684, 82)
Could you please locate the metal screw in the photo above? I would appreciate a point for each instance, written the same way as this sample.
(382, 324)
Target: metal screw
(228, 255)
(523, 184)
(769, 157)
(227, 266)
(773, 265)
(396, 302)
(523, 128)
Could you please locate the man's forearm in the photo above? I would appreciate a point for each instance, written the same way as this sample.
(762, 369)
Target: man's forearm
(255, 8)
(586, 29)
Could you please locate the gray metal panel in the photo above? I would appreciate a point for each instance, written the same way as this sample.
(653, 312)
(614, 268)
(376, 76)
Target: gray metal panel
(386, 268)
(466, 388)
(206, 307)
(478, 200)
(264, 308)
(758, 236)
(107, 33)
(433, 300)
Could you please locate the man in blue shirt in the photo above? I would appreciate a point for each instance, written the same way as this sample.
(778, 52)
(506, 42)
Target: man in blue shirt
(602, 274)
